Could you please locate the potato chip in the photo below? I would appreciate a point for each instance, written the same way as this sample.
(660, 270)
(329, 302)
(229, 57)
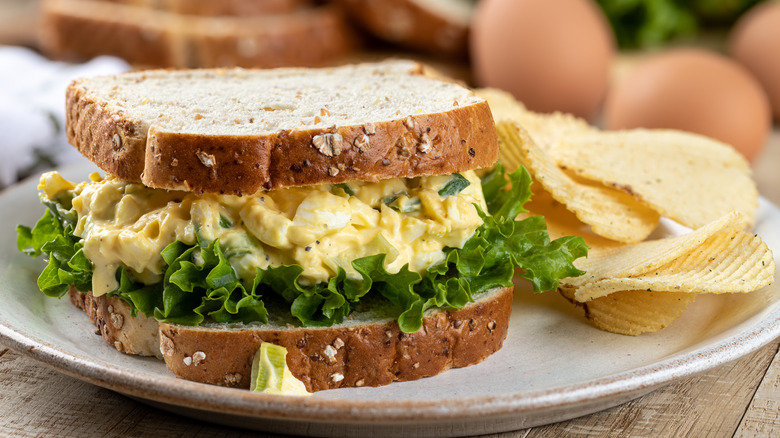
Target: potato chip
(544, 129)
(730, 261)
(633, 312)
(686, 177)
(634, 260)
(610, 213)
(561, 222)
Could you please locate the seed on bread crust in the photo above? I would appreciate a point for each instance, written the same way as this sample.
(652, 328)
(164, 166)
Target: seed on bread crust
(117, 142)
(328, 144)
(362, 143)
(117, 320)
(166, 345)
(207, 160)
(233, 379)
(425, 144)
(330, 353)
(198, 357)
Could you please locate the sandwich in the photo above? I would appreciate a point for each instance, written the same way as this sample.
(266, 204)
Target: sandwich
(353, 215)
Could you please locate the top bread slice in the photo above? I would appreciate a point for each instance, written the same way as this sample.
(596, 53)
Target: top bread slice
(242, 131)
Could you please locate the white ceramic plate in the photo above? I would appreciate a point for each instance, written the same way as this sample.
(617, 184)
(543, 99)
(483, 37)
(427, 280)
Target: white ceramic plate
(553, 366)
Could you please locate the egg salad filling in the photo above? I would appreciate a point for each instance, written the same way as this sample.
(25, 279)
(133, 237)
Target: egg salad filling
(411, 244)
(321, 228)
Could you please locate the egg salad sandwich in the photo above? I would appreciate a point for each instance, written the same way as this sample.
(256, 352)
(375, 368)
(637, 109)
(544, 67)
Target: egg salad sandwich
(339, 213)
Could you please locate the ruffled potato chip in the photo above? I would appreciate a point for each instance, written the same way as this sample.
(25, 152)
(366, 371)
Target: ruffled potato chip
(546, 130)
(730, 261)
(633, 312)
(561, 222)
(610, 213)
(685, 177)
(633, 260)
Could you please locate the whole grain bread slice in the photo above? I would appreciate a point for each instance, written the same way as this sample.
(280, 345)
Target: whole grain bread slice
(78, 29)
(368, 349)
(241, 131)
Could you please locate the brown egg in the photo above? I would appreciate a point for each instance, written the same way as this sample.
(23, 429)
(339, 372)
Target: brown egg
(553, 55)
(755, 43)
(692, 90)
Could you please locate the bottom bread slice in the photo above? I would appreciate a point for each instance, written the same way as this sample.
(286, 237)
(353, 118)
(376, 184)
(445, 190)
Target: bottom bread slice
(368, 349)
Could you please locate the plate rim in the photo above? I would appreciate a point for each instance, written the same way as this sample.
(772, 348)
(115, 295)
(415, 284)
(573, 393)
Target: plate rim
(174, 391)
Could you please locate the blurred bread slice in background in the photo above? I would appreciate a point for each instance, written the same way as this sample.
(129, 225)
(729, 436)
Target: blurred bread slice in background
(18, 20)
(215, 8)
(437, 27)
(149, 33)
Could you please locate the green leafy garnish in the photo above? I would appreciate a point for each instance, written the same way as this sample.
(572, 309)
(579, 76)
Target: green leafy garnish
(387, 200)
(53, 236)
(647, 23)
(405, 204)
(224, 221)
(455, 185)
(346, 188)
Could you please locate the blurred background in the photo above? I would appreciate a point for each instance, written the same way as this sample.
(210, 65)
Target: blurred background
(705, 66)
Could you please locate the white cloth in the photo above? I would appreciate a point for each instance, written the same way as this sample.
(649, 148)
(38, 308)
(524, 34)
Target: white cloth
(32, 108)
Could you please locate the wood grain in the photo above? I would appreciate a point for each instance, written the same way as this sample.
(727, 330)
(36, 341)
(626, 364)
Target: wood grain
(36, 401)
(762, 418)
(710, 404)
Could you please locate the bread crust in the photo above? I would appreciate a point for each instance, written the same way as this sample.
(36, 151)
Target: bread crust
(114, 142)
(79, 29)
(334, 357)
(456, 140)
(132, 335)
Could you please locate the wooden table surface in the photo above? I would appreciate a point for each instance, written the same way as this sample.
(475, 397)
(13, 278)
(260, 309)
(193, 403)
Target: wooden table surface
(740, 398)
